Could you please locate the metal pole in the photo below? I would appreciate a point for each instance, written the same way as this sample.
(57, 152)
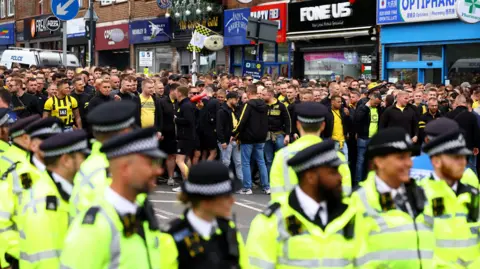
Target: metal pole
(91, 43)
(194, 68)
(64, 43)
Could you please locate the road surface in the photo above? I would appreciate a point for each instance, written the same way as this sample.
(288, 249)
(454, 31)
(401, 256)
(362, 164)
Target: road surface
(246, 207)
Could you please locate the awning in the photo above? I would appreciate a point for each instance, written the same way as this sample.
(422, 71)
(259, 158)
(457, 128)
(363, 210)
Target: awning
(344, 34)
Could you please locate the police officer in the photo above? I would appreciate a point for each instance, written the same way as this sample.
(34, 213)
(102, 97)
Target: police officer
(311, 227)
(44, 219)
(4, 121)
(310, 123)
(453, 206)
(115, 232)
(204, 237)
(422, 167)
(12, 186)
(39, 131)
(393, 205)
(106, 120)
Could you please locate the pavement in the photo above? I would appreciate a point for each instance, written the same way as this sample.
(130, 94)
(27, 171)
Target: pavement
(245, 209)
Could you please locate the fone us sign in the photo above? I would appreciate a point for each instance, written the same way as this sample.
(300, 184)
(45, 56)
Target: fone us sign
(325, 12)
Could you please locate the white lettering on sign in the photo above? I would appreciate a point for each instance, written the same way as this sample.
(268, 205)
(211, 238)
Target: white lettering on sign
(325, 12)
(272, 15)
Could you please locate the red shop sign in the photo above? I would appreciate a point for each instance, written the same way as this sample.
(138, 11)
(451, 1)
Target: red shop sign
(112, 37)
(273, 12)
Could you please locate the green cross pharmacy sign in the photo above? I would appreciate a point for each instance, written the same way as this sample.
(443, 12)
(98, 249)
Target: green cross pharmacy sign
(468, 10)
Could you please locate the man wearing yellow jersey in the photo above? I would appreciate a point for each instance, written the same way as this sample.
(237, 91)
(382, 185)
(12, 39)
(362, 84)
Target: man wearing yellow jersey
(150, 111)
(63, 106)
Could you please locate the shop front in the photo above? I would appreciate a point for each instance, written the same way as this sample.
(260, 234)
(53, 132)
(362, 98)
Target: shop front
(208, 61)
(333, 38)
(7, 36)
(37, 35)
(112, 45)
(151, 40)
(428, 43)
(276, 57)
(77, 43)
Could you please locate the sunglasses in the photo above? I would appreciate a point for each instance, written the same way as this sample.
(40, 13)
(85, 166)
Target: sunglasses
(250, 79)
(195, 93)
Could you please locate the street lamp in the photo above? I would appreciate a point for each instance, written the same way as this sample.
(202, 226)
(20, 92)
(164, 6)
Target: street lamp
(91, 19)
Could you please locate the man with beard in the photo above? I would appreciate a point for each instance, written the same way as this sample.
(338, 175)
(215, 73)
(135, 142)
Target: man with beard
(431, 114)
(121, 228)
(306, 224)
(392, 205)
(452, 205)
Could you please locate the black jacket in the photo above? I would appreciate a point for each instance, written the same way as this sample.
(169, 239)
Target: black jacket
(394, 117)
(168, 113)
(253, 123)
(26, 105)
(185, 120)
(83, 100)
(207, 122)
(279, 118)
(423, 121)
(346, 122)
(293, 117)
(225, 123)
(468, 123)
(362, 120)
(97, 100)
(136, 99)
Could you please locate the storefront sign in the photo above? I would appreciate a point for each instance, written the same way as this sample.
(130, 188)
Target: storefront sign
(145, 58)
(112, 37)
(253, 68)
(76, 28)
(405, 11)
(185, 28)
(330, 15)
(150, 31)
(7, 33)
(274, 12)
(235, 23)
(214, 42)
(468, 10)
(38, 27)
(164, 4)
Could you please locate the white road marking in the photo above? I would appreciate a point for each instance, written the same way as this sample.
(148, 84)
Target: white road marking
(249, 207)
(166, 192)
(161, 216)
(165, 212)
(248, 202)
(164, 201)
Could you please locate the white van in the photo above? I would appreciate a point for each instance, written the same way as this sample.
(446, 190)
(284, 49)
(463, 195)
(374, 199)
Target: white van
(27, 57)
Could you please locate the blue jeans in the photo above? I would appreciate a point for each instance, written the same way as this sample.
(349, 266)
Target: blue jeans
(361, 149)
(344, 150)
(232, 151)
(255, 151)
(472, 163)
(270, 148)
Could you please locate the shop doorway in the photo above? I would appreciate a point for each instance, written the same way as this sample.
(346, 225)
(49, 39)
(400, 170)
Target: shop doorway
(117, 58)
(431, 75)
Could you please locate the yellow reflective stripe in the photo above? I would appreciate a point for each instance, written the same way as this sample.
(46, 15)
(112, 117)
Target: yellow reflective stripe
(403, 228)
(456, 243)
(299, 263)
(241, 116)
(114, 243)
(39, 256)
(282, 230)
(347, 190)
(22, 234)
(261, 263)
(5, 215)
(286, 175)
(85, 181)
(33, 204)
(370, 211)
(396, 255)
(332, 262)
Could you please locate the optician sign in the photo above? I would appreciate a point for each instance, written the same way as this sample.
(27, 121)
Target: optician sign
(468, 10)
(407, 11)
(330, 15)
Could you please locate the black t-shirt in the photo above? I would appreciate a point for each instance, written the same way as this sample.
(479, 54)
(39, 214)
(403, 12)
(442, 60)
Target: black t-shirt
(82, 100)
(26, 105)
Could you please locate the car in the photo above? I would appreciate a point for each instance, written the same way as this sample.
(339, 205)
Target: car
(27, 57)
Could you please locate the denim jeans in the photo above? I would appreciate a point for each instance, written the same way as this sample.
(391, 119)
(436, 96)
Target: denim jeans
(226, 155)
(344, 150)
(361, 149)
(270, 148)
(255, 151)
(472, 163)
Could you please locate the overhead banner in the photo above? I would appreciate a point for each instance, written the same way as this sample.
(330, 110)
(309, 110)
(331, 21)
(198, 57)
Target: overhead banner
(253, 68)
(407, 11)
(273, 12)
(150, 31)
(330, 15)
(235, 23)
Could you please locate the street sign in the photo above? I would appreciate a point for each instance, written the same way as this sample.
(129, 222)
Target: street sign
(53, 23)
(65, 9)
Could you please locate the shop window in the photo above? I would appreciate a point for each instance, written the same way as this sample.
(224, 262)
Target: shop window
(283, 52)
(431, 53)
(237, 71)
(284, 70)
(185, 61)
(237, 55)
(207, 63)
(463, 63)
(11, 7)
(163, 58)
(328, 64)
(251, 53)
(396, 75)
(268, 52)
(2, 8)
(403, 54)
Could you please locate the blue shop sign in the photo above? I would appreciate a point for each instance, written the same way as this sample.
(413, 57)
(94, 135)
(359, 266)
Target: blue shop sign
(253, 68)
(7, 33)
(235, 23)
(408, 11)
(150, 31)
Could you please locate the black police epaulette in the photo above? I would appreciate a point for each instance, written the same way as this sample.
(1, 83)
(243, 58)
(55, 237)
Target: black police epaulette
(91, 215)
(51, 203)
(26, 180)
(271, 209)
(174, 226)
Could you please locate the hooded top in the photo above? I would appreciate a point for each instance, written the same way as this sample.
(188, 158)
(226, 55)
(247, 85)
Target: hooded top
(253, 122)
